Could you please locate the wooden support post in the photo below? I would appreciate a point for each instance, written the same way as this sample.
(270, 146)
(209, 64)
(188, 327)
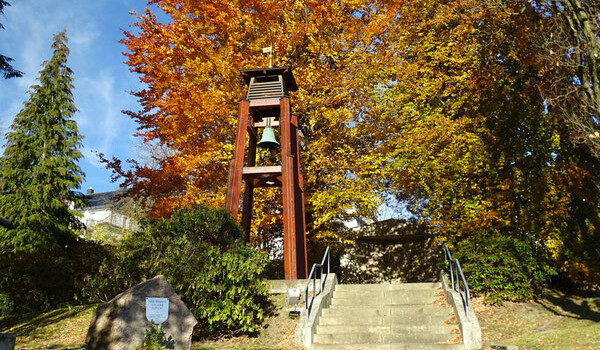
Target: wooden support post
(299, 201)
(248, 200)
(294, 251)
(232, 202)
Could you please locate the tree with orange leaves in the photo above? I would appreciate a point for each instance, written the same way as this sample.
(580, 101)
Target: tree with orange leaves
(191, 70)
(437, 103)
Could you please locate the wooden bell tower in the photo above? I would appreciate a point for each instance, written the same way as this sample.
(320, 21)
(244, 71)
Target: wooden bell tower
(267, 104)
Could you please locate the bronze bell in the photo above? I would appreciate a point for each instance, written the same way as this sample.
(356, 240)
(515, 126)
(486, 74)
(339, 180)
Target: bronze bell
(268, 140)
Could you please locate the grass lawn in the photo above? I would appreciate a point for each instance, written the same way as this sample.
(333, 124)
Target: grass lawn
(57, 329)
(66, 329)
(556, 321)
(277, 333)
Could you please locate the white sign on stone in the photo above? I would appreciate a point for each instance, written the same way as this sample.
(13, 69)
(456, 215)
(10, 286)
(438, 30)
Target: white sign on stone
(157, 309)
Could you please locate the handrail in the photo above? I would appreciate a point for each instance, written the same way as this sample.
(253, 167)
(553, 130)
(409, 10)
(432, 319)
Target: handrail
(314, 280)
(455, 273)
(447, 258)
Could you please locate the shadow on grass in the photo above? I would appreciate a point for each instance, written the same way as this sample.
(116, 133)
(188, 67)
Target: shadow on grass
(233, 347)
(567, 305)
(23, 325)
(271, 311)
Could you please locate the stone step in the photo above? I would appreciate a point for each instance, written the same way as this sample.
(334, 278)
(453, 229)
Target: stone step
(398, 286)
(382, 338)
(392, 310)
(404, 329)
(377, 302)
(397, 346)
(386, 316)
(384, 321)
(368, 294)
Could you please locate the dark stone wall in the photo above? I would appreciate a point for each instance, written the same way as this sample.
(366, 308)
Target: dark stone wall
(390, 251)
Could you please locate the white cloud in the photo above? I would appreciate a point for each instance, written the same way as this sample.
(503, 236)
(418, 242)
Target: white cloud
(101, 78)
(92, 158)
(83, 39)
(30, 26)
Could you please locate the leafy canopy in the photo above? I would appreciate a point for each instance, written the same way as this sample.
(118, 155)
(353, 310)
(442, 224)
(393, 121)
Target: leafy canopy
(442, 105)
(191, 70)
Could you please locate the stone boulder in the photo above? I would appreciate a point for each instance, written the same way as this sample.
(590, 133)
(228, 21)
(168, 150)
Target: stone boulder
(7, 341)
(120, 323)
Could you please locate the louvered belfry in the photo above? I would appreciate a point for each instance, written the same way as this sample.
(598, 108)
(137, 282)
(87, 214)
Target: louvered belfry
(267, 104)
(261, 88)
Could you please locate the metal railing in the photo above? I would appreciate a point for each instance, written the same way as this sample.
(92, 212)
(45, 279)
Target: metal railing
(456, 277)
(312, 276)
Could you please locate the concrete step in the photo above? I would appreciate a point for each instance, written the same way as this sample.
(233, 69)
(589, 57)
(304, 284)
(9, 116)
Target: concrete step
(392, 310)
(404, 329)
(368, 294)
(383, 321)
(394, 300)
(388, 346)
(382, 338)
(386, 316)
(399, 286)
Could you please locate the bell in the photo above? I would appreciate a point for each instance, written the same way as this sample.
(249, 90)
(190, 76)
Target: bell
(268, 140)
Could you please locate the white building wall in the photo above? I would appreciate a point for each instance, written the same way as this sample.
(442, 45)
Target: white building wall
(93, 217)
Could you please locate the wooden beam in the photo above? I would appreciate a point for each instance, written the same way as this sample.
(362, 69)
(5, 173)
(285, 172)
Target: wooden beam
(232, 201)
(287, 191)
(294, 238)
(260, 170)
(299, 200)
(248, 199)
(270, 102)
(252, 131)
(263, 124)
(247, 202)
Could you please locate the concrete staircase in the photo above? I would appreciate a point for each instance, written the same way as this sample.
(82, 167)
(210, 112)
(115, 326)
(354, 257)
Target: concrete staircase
(386, 316)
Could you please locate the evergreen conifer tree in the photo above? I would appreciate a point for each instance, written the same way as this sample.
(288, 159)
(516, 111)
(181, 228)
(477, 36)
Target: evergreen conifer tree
(39, 175)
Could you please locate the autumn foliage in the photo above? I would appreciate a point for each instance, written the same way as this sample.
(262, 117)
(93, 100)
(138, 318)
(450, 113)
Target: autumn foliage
(440, 105)
(191, 69)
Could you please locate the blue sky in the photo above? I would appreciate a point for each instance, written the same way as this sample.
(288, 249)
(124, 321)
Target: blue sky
(102, 80)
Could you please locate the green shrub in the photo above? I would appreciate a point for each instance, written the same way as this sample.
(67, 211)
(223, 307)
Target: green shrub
(155, 339)
(503, 268)
(121, 267)
(47, 276)
(6, 305)
(200, 251)
(35, 280)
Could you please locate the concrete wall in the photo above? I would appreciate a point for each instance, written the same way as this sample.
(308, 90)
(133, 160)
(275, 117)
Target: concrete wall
(468, 325)
(390, 251)
(307, 327)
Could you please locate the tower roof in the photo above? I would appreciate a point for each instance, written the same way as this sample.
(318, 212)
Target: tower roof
(286, 72)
